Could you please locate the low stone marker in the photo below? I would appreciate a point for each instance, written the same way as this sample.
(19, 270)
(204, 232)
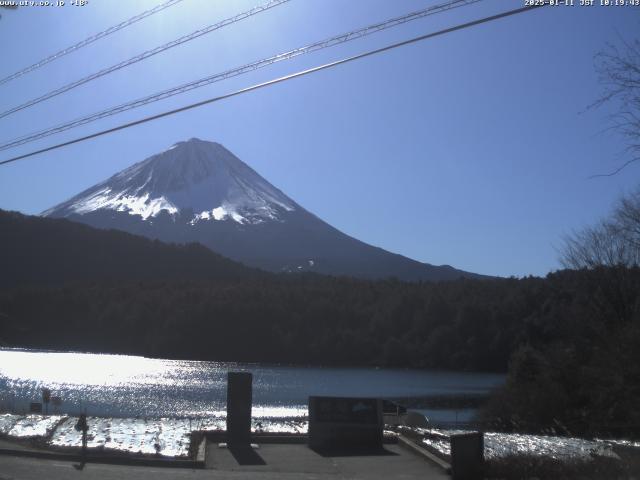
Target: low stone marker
(345, 423)
(239, 399)
(467, 456)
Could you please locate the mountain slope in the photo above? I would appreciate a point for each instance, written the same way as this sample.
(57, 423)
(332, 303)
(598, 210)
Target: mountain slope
(198, 191)
(43, 251)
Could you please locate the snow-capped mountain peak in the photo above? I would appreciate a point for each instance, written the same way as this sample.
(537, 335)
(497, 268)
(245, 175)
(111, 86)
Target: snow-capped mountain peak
(195, 176)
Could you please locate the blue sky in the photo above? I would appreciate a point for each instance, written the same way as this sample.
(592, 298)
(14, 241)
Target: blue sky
(471, 149)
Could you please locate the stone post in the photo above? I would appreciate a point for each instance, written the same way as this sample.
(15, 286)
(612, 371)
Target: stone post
(239, 399)
(467, 456)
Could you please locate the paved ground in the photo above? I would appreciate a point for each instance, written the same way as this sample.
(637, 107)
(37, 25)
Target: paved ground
(5, 444)
(271, 461)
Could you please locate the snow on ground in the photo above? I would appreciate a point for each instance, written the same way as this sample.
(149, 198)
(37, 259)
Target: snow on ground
(7, 421)
(167, 436)
(171, 436)
(498, 445)
(28, 426)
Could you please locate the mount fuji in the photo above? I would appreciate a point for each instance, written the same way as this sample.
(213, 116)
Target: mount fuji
(198, 191)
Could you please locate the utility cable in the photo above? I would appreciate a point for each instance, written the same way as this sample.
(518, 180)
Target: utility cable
(89, 40)
(277, 80)
(329, 42)
(145, 55)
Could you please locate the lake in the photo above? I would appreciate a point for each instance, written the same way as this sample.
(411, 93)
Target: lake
(130, 386)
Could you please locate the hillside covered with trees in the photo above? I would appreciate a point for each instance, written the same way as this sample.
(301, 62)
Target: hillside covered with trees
(44, 251)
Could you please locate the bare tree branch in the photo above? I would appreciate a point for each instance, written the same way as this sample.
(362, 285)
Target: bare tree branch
(618, 71)
(617, 170)
(613, 242)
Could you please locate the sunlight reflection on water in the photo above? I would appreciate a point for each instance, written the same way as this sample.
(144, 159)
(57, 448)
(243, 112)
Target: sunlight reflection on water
(129, 386)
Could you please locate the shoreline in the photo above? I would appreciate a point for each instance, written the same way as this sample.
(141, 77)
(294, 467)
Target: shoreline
(241, 363)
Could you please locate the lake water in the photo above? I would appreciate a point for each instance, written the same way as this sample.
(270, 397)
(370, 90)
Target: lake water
(130, 386)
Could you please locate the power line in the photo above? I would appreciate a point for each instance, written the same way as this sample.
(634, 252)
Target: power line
(329, 42)
(90, 40)
(145, 55)
(276, 80)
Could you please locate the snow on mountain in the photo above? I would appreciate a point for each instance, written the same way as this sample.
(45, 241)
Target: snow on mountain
(198, 176)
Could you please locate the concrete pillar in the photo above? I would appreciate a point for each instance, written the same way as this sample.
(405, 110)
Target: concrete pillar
(467, 456)
(239, 399)
(341, 423)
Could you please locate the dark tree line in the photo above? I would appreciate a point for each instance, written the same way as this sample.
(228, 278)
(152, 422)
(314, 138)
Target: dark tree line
(303, 319)
(578, 370)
